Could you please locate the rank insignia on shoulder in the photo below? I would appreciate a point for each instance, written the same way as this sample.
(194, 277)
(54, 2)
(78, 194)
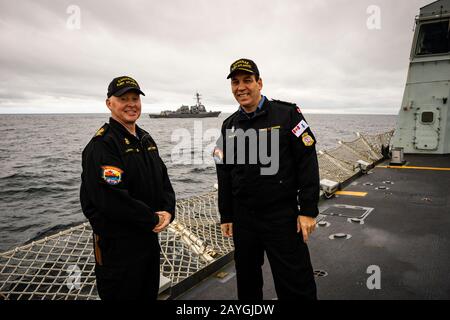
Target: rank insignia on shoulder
(298, 110)
(112, 175)
(152, 148)
(100, 132)
(308, 141)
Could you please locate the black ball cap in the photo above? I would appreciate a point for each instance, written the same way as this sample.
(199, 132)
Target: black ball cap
(245, 65)
(122, 85)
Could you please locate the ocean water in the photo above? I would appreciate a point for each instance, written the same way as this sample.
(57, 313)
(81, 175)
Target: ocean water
(40, 162)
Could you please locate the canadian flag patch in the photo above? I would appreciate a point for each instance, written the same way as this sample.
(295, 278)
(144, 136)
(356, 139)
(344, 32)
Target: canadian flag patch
(300, 128)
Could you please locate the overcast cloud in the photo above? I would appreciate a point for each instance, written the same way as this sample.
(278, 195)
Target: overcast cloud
(319, 54)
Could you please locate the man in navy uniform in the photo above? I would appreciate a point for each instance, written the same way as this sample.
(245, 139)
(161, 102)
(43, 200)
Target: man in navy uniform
(127, 196)
(273, 213)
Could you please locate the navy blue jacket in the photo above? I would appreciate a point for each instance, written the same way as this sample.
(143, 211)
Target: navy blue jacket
(124, 182)
(296, 183)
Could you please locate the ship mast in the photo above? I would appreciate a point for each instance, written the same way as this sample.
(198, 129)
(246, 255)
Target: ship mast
(197, 95)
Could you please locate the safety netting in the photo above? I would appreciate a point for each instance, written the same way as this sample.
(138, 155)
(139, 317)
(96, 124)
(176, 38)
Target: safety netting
(61, 266)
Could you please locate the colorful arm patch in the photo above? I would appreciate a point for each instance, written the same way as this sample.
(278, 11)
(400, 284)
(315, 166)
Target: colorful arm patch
(300, 128)
(112, 175)
(308, 141)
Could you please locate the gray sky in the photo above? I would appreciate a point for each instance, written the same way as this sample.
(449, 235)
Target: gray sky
(320, 54)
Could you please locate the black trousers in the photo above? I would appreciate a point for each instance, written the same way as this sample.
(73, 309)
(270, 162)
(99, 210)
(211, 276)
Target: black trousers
(129, 269)
(276, 234)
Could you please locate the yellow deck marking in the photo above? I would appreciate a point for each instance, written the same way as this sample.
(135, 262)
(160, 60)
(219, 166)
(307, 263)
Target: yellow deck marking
(351, 193)
(414, 168)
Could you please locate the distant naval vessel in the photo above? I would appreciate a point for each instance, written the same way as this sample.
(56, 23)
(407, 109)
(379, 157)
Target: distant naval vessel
(197, 111)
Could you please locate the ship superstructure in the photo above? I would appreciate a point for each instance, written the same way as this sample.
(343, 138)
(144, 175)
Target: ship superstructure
(424, 119)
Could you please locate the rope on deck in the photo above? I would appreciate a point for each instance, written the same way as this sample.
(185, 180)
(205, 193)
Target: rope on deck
(61, 266)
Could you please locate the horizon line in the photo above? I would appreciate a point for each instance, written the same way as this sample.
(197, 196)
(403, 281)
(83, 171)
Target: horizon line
(143, 113)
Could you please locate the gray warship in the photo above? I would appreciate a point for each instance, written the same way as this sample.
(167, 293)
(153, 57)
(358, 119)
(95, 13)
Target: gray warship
(196, 111)
(383, 227)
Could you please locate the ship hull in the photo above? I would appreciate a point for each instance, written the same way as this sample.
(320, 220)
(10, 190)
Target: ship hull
(212, 114)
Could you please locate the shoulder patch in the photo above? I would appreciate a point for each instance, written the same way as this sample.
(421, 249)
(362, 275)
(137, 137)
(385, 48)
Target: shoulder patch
(308, 141)
(112, 175)
(300, 128)
(101, 132)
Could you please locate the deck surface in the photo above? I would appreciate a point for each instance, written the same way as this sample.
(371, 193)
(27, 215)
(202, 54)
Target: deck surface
(404, 238)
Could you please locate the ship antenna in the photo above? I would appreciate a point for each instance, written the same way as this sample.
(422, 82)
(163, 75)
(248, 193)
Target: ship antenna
(198, 98)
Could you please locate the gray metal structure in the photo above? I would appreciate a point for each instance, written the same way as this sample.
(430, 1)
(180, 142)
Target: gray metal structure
(196, 111)
(424, 119)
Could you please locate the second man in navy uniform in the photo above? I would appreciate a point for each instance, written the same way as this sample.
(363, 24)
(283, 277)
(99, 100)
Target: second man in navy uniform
(270, 211)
